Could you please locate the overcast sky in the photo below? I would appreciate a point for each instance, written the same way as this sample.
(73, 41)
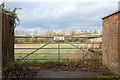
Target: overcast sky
(57, 15)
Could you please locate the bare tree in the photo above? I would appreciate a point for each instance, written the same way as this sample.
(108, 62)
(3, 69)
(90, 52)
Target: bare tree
(63, 32)
(16, 33)
(95, 31)
(41, 32)
(22, 33)
(49, 32)
(72, 32)
(27, 34)
(35, 33)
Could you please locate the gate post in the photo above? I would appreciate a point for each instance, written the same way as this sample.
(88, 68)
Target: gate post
(58, 51)
(111, 41)
(0, 44)
(6, 43)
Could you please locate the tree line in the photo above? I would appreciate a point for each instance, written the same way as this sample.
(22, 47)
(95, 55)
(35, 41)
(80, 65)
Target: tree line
(49, 32)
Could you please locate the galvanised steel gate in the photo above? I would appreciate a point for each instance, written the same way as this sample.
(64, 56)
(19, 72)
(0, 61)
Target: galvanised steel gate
(58, 39)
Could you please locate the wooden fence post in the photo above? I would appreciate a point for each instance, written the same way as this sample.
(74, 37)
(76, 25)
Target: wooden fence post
(0, 44)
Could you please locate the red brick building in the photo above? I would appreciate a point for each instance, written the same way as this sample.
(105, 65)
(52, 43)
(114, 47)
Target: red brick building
(111, 41)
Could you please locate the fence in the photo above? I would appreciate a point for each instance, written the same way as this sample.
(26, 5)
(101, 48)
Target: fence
(59, 53)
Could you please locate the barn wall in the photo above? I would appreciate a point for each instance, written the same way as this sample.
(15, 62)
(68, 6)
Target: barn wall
(111, 42)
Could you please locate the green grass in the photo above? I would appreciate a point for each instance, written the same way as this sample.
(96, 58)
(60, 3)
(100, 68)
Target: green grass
(112, 77)
(43, 56)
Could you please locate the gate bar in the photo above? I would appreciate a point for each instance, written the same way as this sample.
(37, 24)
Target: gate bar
(57, 36)
(56, 59)
(55, 53)
(65, 43)
(57, 48)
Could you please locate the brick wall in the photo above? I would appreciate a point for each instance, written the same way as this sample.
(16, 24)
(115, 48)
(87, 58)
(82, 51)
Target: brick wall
(7, 39)
(111, 41)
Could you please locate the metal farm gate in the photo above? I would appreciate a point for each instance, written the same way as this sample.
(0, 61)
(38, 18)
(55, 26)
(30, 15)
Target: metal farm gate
(84, 50)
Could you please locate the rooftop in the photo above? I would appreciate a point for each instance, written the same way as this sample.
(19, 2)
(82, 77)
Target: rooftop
(111, 14)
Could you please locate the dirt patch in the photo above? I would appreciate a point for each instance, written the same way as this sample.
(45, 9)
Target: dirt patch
(73, 68)
(20, 73)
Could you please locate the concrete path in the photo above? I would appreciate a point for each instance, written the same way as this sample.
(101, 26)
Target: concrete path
(65, 74)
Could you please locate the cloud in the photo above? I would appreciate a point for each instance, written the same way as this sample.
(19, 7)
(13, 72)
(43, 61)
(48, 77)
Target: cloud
(61, 12)
(71, 15)
(61, 0)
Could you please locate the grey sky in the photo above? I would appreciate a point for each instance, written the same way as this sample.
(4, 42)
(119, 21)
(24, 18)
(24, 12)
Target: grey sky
(81, 15)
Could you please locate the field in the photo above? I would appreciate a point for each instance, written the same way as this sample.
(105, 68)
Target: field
(75, 54)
